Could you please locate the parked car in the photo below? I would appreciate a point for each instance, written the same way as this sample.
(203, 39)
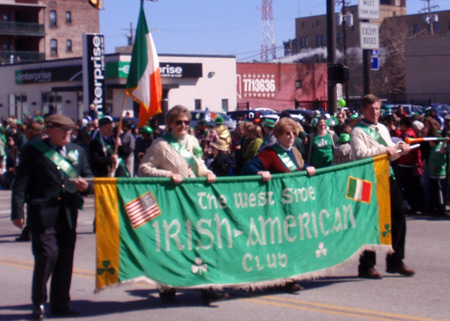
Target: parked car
(442, 109)
(250, 114)
(409, 109)
(200, 114)
(301, 114)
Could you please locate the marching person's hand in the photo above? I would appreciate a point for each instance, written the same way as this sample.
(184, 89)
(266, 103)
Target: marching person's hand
(210, 178)
(311, 170)
(266, 176)
(405, 148)
(19, 222)
(177, 178)
(81, 184)
(391, 150)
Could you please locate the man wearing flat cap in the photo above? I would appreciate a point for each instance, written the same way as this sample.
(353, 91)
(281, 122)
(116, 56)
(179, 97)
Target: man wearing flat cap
(49, 179)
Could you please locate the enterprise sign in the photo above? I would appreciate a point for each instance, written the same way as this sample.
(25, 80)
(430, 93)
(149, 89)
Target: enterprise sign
(44, 75)
(181, 70)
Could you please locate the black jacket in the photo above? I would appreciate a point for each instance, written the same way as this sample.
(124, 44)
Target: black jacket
(45, 188)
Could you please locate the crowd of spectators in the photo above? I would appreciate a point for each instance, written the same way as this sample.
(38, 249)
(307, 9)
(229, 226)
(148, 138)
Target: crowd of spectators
(323, 140)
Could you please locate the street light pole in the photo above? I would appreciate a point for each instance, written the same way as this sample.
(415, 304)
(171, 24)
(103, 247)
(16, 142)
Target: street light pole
(331, 47)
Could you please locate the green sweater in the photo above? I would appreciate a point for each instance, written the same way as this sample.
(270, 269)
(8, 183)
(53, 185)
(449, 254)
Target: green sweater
(436, 162)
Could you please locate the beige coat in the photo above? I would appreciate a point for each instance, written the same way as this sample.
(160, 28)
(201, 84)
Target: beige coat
(364, 146)
(164, 161)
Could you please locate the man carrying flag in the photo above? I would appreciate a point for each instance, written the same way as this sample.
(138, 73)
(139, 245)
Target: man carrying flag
(370, 138)
(144, 79)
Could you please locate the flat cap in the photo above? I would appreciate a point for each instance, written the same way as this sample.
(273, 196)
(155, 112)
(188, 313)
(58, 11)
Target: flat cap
(105, 121)
(57, 120)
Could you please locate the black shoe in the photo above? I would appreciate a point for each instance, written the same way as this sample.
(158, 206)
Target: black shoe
(403, 270)
(168, 296)
(370, 273)
(38, 312)
(292, 287)
(65, 313)
(211, 295)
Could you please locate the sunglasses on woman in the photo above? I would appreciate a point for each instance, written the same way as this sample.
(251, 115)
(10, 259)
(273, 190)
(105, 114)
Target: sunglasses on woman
(179, 122)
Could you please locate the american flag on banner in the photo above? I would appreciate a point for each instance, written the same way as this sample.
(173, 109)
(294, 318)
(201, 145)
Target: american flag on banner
(142, 209)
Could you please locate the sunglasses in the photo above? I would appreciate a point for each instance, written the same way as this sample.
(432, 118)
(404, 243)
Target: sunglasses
(179, 122)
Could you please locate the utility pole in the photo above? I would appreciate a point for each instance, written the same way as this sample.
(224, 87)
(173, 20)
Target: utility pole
(345, 21)
(130, 36)
(331, 49)
(430, 18)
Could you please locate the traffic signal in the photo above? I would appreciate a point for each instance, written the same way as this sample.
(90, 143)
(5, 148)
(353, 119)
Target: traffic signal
(95, 3)
(338, 73)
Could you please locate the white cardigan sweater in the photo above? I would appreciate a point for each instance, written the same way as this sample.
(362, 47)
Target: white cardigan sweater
(162, 160)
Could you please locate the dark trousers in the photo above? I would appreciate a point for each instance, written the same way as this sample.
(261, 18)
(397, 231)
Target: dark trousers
(53, 250)
(437, 203)
(368, 258)
(411, 186)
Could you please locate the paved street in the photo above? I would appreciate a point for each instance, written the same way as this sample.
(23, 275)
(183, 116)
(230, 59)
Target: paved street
(341, 297)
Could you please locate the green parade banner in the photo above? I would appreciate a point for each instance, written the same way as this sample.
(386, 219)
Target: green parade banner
(240, 231)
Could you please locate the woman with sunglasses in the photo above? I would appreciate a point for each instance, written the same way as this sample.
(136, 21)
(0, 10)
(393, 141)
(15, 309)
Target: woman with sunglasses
(178, 155)
(282, 157)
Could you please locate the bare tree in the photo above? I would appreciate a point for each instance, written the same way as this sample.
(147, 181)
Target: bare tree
(390, 80)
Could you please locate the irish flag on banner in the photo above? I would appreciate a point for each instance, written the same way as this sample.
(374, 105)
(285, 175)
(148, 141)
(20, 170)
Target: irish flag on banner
(359, 189)
(144, 79)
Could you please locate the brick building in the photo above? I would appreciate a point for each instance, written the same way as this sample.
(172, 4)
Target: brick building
(36, 30)
(396, 27)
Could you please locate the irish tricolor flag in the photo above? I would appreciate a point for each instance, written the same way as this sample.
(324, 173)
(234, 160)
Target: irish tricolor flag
(359, 190)
(144, 79)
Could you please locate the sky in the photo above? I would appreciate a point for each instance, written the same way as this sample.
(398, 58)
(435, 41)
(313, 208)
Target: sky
(213, 27)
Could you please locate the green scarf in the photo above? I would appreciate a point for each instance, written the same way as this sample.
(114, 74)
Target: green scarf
(182, 150)
(285, 158)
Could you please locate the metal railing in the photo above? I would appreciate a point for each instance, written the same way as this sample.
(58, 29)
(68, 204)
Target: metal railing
(14, 57)
(21, 28)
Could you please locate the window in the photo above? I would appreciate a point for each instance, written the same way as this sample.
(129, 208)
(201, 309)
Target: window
(339, 38)
(436, 26)
(322, 40)
(68, 17)
(69, 45)
(6, 17)
(52, 20)
(198, 104)
(416, 29)
(53, 47)
(317, 41)
(225, 105)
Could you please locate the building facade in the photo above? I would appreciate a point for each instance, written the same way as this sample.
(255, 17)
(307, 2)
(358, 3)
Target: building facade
(281, 85)
(197, 82)
(37, 30)
(428, 70)
(388, 78)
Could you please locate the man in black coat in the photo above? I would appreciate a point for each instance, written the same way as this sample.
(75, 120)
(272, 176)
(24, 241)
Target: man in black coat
(49, 180)
(104, 160)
